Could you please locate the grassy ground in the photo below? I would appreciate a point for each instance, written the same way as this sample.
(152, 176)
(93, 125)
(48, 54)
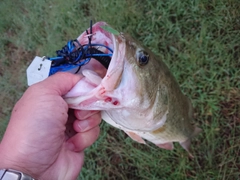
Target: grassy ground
(198, 39)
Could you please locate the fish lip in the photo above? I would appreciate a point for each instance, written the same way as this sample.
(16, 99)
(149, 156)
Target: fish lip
(113, 75)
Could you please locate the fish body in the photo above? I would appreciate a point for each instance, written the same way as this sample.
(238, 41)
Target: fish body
(137, 93)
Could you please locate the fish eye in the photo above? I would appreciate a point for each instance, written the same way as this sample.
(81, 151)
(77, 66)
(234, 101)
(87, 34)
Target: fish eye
(143, 58)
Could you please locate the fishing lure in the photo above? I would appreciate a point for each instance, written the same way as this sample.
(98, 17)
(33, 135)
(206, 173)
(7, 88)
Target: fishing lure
(70, 58)
(74, 55)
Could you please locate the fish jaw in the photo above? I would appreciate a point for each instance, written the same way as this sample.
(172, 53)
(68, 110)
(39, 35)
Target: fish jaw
(89, 92)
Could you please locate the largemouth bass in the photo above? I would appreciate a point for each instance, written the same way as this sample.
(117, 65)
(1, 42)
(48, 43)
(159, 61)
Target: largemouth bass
(136, 93)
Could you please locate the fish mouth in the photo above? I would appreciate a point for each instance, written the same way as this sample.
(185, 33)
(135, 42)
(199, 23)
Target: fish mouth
(111, 68)
(101, 76)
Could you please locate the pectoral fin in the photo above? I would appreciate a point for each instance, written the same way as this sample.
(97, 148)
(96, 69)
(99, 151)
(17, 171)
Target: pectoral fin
(135, 137)
(168, 146)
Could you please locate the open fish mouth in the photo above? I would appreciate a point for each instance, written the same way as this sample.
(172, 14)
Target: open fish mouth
(101, 74)
(115, 42)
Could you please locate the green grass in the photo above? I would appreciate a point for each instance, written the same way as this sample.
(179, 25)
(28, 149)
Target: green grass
(198, 39)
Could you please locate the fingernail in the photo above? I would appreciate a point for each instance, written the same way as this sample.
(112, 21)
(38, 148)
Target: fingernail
(83, 125)
(86, 114)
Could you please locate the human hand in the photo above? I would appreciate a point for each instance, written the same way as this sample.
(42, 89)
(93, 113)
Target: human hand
(36, 141)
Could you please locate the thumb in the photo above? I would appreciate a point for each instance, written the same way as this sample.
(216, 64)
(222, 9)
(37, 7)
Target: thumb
(60, 83)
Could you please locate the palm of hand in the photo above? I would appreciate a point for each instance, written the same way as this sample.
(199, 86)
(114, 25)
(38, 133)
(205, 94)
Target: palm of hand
(35, 140)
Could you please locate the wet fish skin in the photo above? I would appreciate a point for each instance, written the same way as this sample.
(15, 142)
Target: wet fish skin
(142, 99)
(156, 80)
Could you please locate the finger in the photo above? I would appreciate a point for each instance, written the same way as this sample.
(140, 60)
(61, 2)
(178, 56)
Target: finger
(69, 132)
(81, 141)
(87, 124)
(60, 83)
(82, 114)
